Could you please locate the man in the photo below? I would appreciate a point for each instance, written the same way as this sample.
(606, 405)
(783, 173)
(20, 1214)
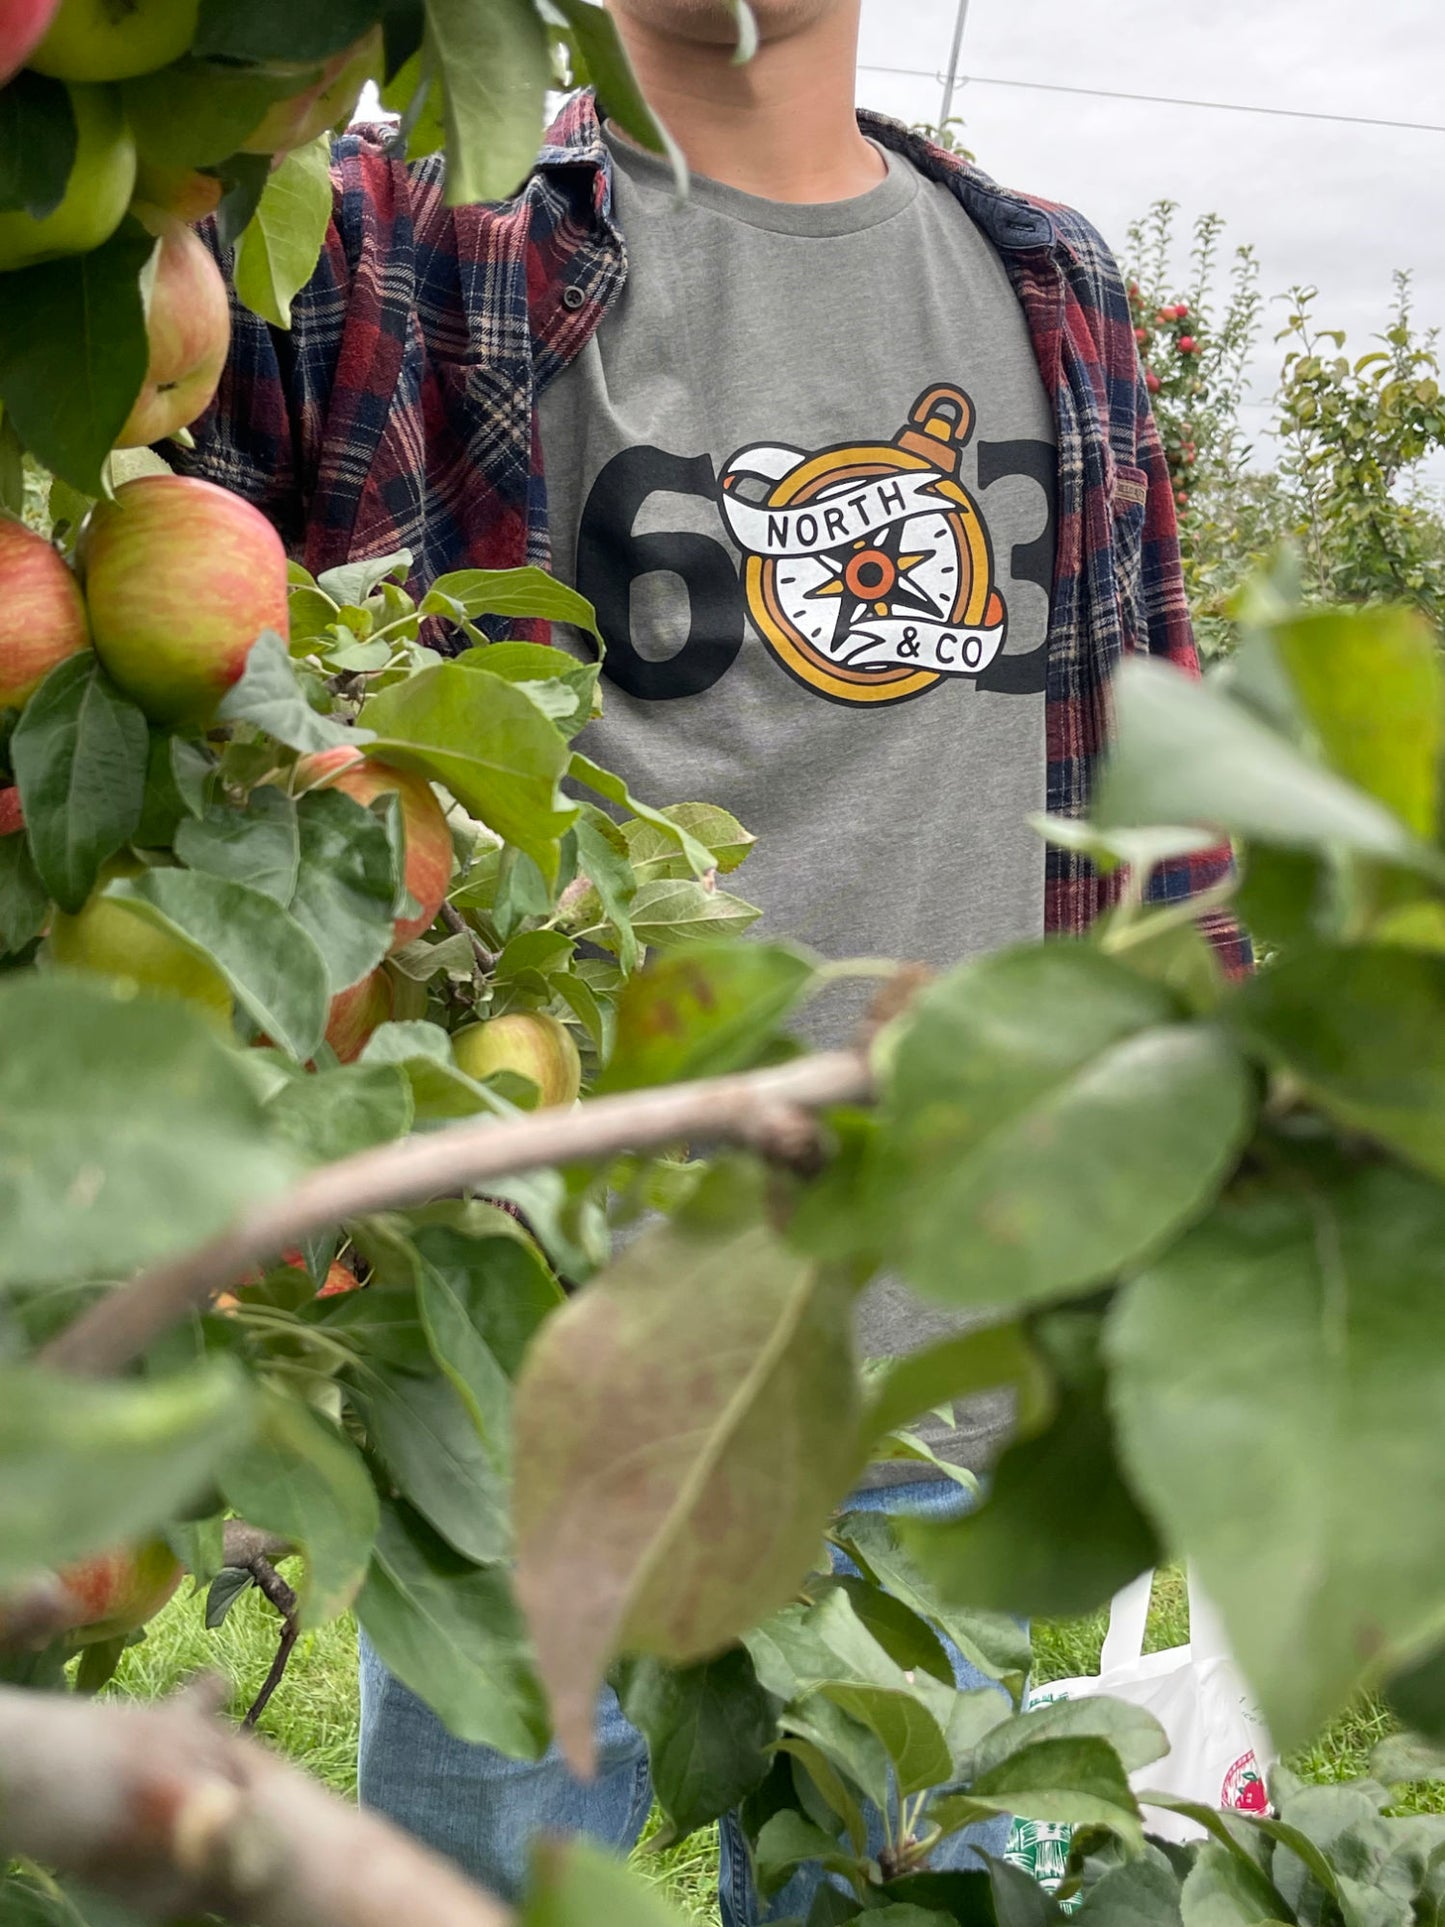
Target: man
(852, 453)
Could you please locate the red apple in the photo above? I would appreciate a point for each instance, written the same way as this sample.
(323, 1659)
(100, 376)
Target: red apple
(181, 577)
(12, 817)
(1181, 310)
(529, 1043)
(42, 612)
(188, 323)
(1152, 382)
(119, 1591)
(1187, 344)
(22, 28)
(424, 825)
(355, 1014)
(185, 192)
(338, 1280)
(330, 99)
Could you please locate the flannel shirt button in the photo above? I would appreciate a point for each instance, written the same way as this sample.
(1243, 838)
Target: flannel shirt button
(573, 298)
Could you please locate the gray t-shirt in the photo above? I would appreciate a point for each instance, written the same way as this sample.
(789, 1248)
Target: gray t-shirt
(805, 472)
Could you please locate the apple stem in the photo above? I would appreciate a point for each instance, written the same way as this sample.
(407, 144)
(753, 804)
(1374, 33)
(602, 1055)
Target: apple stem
(269, 1582)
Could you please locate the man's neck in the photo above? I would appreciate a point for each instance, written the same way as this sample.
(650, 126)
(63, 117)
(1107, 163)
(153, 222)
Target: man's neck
(782, 126)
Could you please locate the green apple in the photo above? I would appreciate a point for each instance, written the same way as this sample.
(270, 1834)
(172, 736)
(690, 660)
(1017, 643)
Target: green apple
(115, 39)
(529, 1043)
(427, 838)
(42, 613)
(180, 579)
(188, 323)
(108, 937)
(96, 195)
(115, 1593)
(329, 99)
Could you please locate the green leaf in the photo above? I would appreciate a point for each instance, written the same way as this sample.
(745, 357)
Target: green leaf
(530, 663)
(907, 1639)
(1221, 1891)
(1368, 685)
(602, 856)
(463, 1357)
(1059, 1532)
(37, 144)
(498, 754)
(1183, 754)
(711, 1009)
(493, 1267)
(178, 785)
(37, 1901)
(959, 1367)
(333, 1114)
(712, 1329)
(438, 1089)
(274, 968)
(672, 911)
(577, 1885)
(1069, 1781)
(346, 884)
(1305, 1324)
(610, 72)
(449, 1631)
(301, 1478)
(433, 1450)
(716, 829)
(583, 770)
(1049, 1121)
(79, 753)
(468, 594)
(127, 1131)
(1134, 1734)
(352, 583)
(1142, 1893)
(708, 1728)
(74, 353)
(994, 1642)
(270, 697)
(280, 29)
(86, 1465)
(277, 254)
(787, 1841)
(259, 845)
(24, 900)
(497, 68)
(903, 1726)
(1362, 1032)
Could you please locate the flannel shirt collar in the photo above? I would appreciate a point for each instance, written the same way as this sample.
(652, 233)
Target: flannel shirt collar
(575, 156)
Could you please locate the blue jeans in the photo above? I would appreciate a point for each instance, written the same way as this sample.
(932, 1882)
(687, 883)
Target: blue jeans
(483, 1810)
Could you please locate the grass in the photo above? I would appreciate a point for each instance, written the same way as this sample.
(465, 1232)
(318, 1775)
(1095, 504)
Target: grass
(313, 1715)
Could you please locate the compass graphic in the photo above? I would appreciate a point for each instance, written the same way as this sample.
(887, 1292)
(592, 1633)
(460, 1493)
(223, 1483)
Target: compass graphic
(868, 569)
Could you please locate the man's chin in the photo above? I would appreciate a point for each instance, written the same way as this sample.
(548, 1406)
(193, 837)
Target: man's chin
(712, 23)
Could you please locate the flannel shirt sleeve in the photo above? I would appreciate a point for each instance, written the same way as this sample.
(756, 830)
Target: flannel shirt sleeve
(1167, 635)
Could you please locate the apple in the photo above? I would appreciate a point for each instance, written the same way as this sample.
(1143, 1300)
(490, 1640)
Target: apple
(119, 1591)
(186, 192)
(115, 39)
(180, 579)
(338, 1280)
(328, 100)
(12, 817)
(42, 612)
(356, 1012)
(424, 825)
(530, 1043)
(188, 322)
(111, 939)
(1152, 382)
(96, 195)
(22, 26)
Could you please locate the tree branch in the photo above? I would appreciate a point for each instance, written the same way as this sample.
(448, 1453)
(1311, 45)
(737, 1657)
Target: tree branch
(743, 1109)
(270, 1583)
(163, 1808)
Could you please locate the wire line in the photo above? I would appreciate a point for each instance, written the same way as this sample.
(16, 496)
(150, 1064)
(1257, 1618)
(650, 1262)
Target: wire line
(1166, 100)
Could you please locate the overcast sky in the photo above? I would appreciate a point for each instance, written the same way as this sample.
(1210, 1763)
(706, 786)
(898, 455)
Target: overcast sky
(1339, 206)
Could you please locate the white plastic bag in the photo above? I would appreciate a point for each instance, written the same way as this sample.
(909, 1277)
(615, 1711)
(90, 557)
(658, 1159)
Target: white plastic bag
(1219, 1748)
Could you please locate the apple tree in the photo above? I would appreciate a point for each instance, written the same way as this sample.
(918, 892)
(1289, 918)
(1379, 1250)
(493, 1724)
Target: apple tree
(315, 920)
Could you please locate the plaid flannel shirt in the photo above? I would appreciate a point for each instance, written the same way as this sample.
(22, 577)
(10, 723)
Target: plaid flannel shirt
(400, 411)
